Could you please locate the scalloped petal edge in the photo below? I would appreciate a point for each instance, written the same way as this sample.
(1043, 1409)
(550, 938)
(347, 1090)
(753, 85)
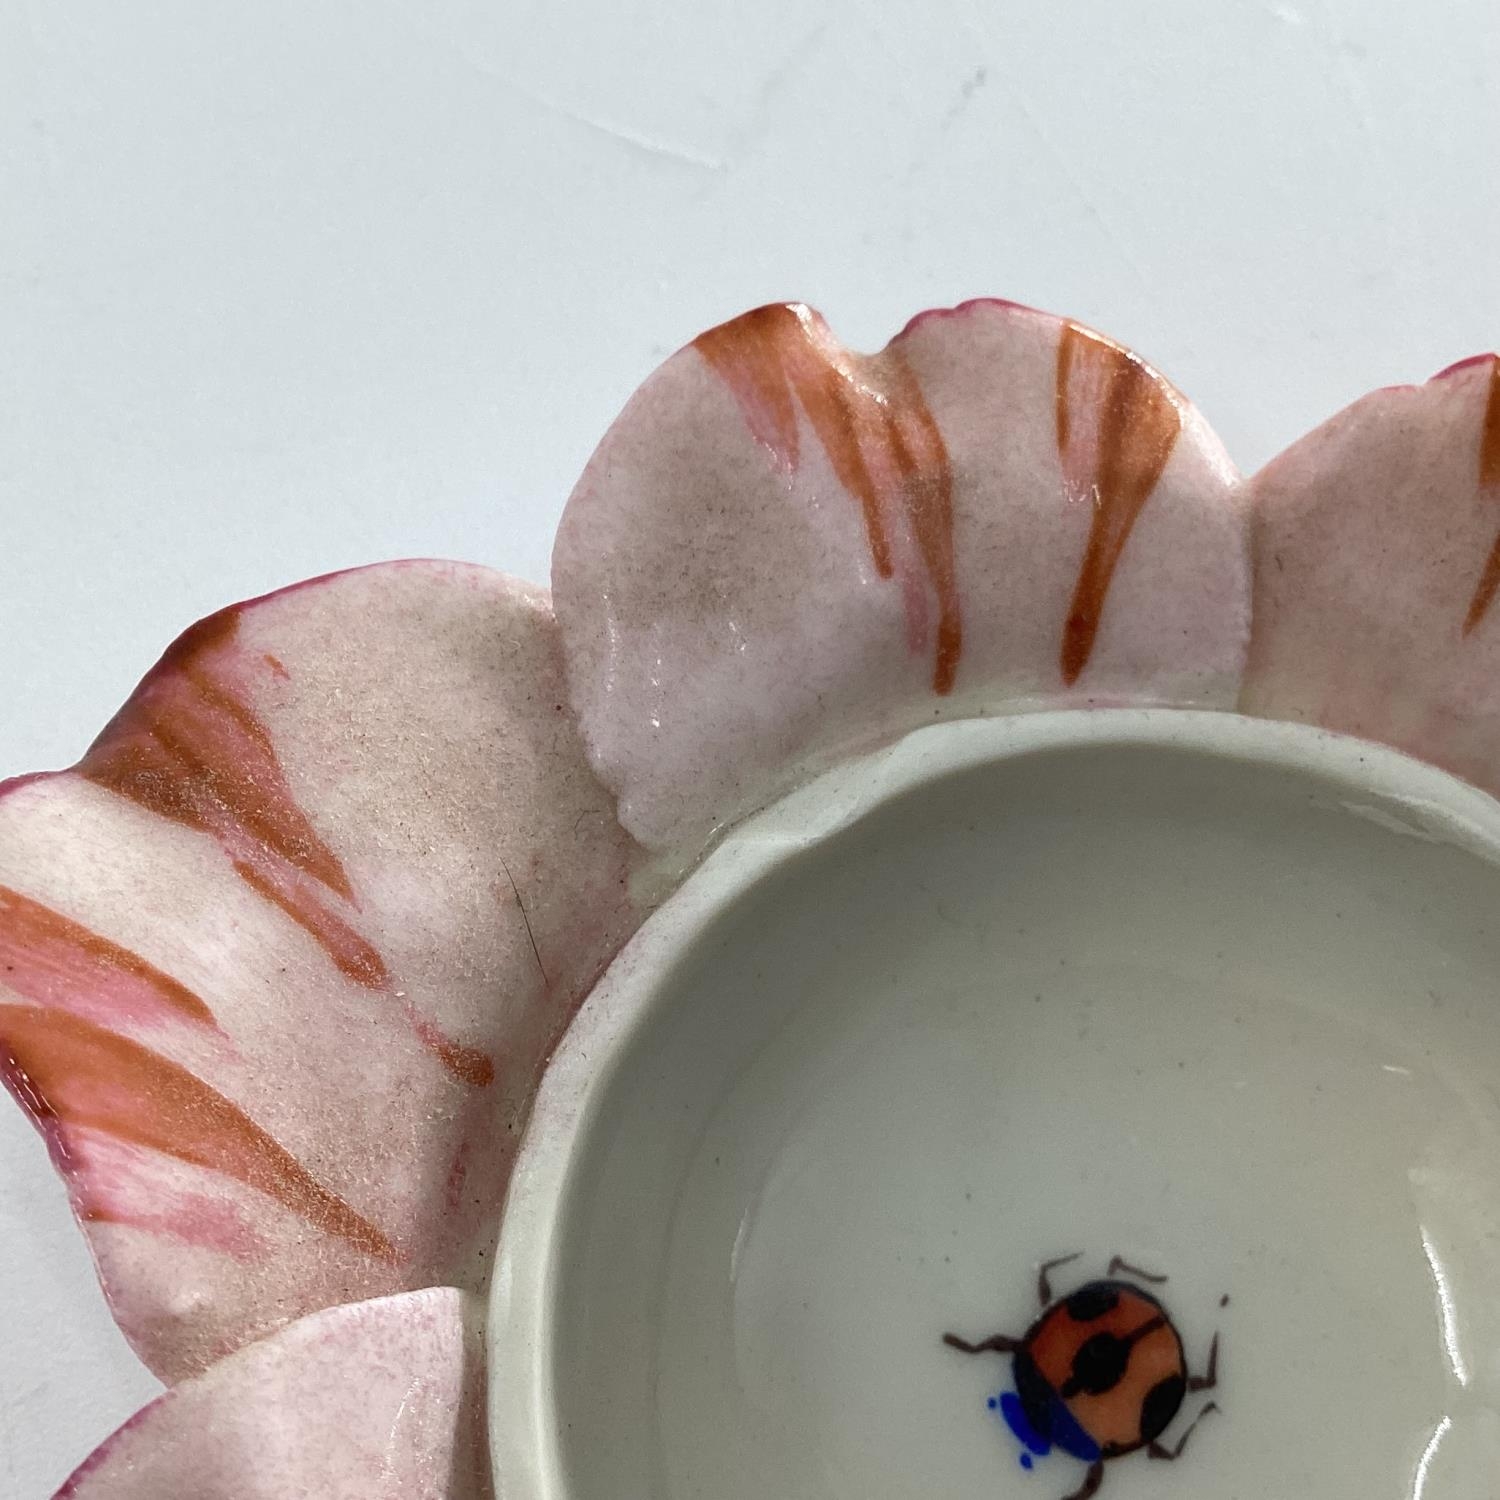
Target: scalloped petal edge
(285, 953)
(374, 1398)
(783, 552)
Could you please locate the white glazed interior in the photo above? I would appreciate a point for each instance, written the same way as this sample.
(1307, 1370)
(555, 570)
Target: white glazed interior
(1212, 993)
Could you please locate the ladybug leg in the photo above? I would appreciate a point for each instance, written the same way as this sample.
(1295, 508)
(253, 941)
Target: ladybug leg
(1091, 1482)
(1116, 1265)
(1210, 1377)
(1160, 1450)
(1043, 1285)
(999, 1343)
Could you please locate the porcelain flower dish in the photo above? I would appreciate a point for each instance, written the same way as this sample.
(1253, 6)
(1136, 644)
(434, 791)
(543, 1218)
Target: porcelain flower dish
(953, 953)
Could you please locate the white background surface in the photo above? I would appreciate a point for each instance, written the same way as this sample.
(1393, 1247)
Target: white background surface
(287, 287)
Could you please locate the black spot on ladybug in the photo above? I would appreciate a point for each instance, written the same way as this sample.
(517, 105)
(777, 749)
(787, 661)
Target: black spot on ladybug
(1098, 1365)
(1092, 1301)
(1160, 1406)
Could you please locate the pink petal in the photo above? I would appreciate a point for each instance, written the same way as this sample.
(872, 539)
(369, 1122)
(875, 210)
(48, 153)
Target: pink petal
(784, 552)
(1377, 554)
(382, 1400)
(282, 957)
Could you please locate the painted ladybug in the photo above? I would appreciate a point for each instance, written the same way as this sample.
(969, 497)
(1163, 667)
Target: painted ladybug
(1100, 1374)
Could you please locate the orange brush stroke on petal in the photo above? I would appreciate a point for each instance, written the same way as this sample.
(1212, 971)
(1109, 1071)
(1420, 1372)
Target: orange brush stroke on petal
(188, 748)
(55, 961)
(185, 747)
(352, 956)
(70, 1074)
(467, 1064)
(1489, 481)
(1117, 423)
(929, 479)
(358, 960)
(876, 429)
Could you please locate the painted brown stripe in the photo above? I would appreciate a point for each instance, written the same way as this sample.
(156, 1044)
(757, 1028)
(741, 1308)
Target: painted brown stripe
(1117, 423)
(874, 425)
(352, 956)
(68, 1073)
(467, 1064)
(922, 460)
(52, 960)
(358, 960)
(1489, 481)
(189, 748)
(187, 762)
